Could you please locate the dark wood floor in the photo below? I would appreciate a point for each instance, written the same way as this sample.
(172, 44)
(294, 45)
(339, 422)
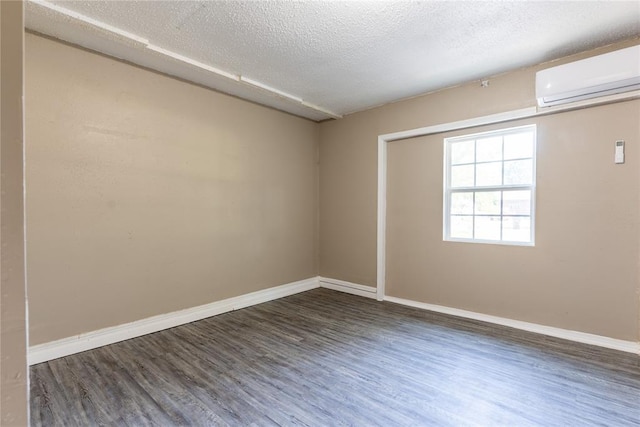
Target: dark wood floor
(324, 358)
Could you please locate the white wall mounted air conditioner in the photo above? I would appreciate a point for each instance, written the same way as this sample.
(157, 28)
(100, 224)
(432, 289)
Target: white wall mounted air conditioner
(611, 73)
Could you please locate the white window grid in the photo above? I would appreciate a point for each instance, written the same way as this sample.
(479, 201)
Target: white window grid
(448, 190)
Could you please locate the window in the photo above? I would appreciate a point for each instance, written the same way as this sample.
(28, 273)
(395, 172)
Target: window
(489, 187)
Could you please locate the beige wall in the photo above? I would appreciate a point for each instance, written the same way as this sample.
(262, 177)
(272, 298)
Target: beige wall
(13, 330)
(583, 272)
(147, 195)
(348, 158)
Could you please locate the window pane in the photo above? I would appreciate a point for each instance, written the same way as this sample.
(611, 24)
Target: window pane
(489, 174)
(516, 229)
(489, 188)
(487, 203)
(487, 227)
(516, 202)
(489, 149)
(462, 203)
(462, 152)
(518, 145)
(462, 176)
(462, 227)
(518, 172)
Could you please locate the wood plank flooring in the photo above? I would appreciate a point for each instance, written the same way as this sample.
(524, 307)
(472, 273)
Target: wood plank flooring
(325, 358)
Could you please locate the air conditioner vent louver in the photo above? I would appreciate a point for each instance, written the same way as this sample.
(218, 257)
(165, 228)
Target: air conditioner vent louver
(608, 74)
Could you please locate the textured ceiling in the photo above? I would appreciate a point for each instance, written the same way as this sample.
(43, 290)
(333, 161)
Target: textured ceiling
(322, 59)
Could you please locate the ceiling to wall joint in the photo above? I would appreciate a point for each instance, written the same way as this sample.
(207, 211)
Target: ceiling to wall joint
(322, 60)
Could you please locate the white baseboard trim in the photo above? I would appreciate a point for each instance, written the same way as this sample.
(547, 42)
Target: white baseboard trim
(582, 337)
(348, 287)
(90, 340)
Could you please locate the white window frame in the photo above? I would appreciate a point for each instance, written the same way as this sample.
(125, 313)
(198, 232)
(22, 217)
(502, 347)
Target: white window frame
(448, 190)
